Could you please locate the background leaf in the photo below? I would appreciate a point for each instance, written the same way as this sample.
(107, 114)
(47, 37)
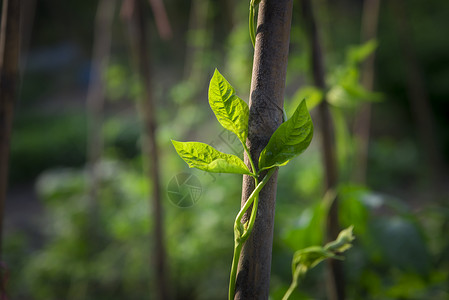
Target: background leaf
(206, 158)
(231, 111)
(289, 140)
(311, 94)
(357, 54)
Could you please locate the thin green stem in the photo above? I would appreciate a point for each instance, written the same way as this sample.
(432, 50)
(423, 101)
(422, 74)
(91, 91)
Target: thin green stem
(290, 290)
(256, 183)
(254, 194)
(252, 31)
(255, 204)
(253, 168)
(250, 224)
(293, 285)
(235, 259)
(241, 234)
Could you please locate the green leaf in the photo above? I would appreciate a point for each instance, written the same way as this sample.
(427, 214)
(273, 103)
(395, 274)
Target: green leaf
(289, 140)
(343, 241)
(359, 53)
(311, 256)
(307, 258)
(347, 91)
(231, 111)
(205, 157)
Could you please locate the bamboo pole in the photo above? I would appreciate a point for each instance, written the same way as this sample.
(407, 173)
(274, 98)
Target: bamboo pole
(362, 122)
(335, 278)
(266, 102)
(96, 93)
(9, 70)
(9, 76)
(136, 20)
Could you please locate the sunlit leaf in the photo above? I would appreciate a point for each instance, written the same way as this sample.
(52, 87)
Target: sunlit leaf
(231, 111)
(289, 140)
(205, 157)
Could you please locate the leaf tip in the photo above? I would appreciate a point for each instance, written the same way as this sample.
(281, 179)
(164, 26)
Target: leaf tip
(303, 103)
(175, 144)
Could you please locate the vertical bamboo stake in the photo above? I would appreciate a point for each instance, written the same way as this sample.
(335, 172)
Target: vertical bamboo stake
(9, 72)
(96, 92)
(362, 123)
(266, 102)
(161, 18)
(335, 279)
(146, 107)
(198, 24)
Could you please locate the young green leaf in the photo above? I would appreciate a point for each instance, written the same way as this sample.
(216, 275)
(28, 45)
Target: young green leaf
(357, 54)
(305, 259)
(343, 241)
(231, 111)
(311, 256)
(205, 157)
(289, 140)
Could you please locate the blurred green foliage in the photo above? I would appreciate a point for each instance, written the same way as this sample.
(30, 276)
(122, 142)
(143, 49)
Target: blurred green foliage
(41, 141)
(401, 249)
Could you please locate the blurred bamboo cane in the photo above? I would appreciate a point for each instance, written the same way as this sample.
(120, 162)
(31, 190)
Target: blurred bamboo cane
(362, 122)
(9, 76)
(133, 13)
(335, 278)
